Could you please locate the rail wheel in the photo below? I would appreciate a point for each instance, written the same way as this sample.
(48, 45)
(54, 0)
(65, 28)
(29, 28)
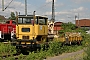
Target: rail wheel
(18, 51)
(79, 42)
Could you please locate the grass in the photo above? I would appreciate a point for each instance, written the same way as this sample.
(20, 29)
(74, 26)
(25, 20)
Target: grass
(54, 49)
(6, 49)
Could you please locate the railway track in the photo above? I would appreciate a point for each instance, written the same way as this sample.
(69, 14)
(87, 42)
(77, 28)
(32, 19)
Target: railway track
(7, 42)
(14, 56)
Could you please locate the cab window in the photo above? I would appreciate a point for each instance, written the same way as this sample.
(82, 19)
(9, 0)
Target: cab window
(8, 22)
(25, 20)
(13, 22)
(42, 21)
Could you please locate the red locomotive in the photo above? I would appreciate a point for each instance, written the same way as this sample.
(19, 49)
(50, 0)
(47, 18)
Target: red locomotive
(7, 30)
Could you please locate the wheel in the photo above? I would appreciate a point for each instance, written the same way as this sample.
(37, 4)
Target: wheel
(1, 40)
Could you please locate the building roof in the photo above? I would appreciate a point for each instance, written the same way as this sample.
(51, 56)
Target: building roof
(32, 16)
(2, 17)
(57, 26)
(58, 23)
(83, 22)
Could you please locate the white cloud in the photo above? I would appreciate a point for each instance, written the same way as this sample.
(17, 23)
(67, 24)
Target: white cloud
(49, 1)
(59, 5)
(80, 1)
(58, 13)
(48, 13)
(62, 12)
(80, 9)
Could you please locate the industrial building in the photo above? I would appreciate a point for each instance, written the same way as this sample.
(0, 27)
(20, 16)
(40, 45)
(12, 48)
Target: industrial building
(57, 27)
(83, 23)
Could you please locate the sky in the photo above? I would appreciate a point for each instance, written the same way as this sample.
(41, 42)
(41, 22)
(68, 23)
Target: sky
(65, 10)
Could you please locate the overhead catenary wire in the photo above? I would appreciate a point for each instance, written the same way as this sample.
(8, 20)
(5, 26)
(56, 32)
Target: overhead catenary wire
(38, 8)
(43, 6)
(8, 5)
(20, 4)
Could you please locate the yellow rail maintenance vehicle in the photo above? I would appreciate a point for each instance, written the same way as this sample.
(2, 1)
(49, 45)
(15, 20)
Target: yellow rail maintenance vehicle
(31, 31)
(71, 37)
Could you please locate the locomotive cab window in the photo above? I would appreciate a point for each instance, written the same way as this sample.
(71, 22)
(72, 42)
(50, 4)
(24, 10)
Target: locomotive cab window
(25, 20)
(30, 20)
(42, 21)
(13, 22)
(8, 22)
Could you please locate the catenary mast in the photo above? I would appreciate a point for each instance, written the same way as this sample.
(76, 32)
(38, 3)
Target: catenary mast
(53, 11)
(25, 7)
(2, 5)
(51, 22)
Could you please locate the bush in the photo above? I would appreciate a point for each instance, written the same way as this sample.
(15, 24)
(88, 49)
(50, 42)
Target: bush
(55, 48)
(87, 45)
(6, 49)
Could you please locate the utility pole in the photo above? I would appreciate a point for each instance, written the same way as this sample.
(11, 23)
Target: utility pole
(53, 11)
(26, 7)
(2, 5)
(75, 19)
(78, 19)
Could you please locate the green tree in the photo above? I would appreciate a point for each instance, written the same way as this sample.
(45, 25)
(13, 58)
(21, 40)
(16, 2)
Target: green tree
(12, 16)
(68, 27)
